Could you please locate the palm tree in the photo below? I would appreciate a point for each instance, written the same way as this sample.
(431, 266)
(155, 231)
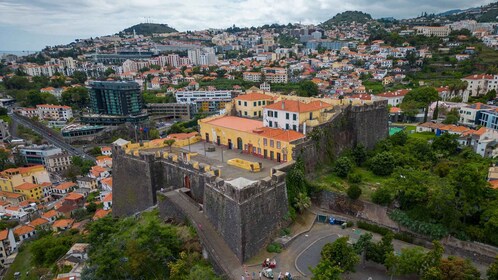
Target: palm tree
(302, 202)
(169, 143)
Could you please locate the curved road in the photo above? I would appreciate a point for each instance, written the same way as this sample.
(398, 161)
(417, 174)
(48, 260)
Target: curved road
(50, 137)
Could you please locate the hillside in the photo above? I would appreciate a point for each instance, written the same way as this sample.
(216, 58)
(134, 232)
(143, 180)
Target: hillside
(488, 13)
(149, 28)
(348, 17)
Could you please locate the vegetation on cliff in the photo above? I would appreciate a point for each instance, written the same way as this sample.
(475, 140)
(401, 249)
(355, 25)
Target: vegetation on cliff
(348, 17)
(149, 28)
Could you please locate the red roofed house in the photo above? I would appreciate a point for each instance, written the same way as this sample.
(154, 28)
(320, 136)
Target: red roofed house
(39, 223)
(251, 105)
(64, 188)
(293, 114)
(7, 244)
(62, 224)
(107, 201)
(479, 84)
(106, 151)
(106, 184)
(101, 213)
(24, 232)
(51, 215)
(394, 98)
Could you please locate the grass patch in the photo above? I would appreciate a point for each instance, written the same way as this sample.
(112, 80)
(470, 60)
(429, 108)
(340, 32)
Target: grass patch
(422, 135)
(22, 264)
(274, 248)
(328, 180)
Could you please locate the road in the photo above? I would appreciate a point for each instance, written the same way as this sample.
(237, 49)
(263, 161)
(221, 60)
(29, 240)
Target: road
(50, 137)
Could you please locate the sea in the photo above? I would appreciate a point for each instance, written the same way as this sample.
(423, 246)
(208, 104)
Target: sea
(18, 53)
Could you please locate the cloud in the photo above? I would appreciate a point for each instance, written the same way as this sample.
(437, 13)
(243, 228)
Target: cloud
(79, 19)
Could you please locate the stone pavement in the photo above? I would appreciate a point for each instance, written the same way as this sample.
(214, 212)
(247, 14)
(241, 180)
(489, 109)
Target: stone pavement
(210, 239)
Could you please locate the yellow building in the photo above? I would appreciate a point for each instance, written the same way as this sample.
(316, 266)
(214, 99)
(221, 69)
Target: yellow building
(31, 191)
(250, 137)
(251, 104)
(13, 177)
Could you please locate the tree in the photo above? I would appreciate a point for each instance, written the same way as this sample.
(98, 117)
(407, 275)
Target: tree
(79, 77)
(84, 165)
(446, 143)
(169, 143)
(341, 254)
(458, 269)
(399, 138)
(423, 97)
(435, 115)
(325, 270)
(343, 166)
(492, 272)
(354, 191)
(307, 89)
(109, 71)
(359, 154)
(378, 252)
(382, 164)
(76, 97)
(452, 117)
(409, 262)
(302, 202)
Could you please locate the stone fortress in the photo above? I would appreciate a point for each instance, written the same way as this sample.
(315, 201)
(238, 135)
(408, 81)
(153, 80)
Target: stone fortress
(247, 209)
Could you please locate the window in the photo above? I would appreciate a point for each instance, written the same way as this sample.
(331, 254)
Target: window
(285, 157)
(286, 126)
(294, 116)
(270, 113)
(265, 142)
(311, 115)
(240, 102)
(270, 124)
(245, 103)
(264, 102)
(286, 116)
(245, 113)
(278, 144)
(259, 151)
(271, 143)
(294, 127)
(254, 104)
(276, 114)
(259, 103)
(255, 113)
(276, 124)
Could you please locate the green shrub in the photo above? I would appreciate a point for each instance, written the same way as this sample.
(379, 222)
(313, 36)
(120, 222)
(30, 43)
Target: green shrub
(355, 178)
(285, 231)
(382, 196)
(354, 192)
(434, 231)
(343, 166)
(274, 248)
(403, 236)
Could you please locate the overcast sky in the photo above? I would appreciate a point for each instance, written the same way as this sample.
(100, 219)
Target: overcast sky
(33, 24)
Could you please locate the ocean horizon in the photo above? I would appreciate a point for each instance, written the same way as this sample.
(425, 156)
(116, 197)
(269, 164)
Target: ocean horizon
(18, 53)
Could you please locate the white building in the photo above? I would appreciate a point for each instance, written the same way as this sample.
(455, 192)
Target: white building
(479, 84)
(393, 98)
(438, 31)
(193, 96)
(54, 112)
(7, 244)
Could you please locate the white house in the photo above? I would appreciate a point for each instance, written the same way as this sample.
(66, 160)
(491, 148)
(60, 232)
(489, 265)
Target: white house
(394, 98)
(7, 244)
(24, 232)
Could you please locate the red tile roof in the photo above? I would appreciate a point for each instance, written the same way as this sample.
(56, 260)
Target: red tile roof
(23, 230)
(65, 186)
(479, 77)
(298, 106)
(63, 223)
(236, 123)
(254, 96)
(26, 186)
(4, 234)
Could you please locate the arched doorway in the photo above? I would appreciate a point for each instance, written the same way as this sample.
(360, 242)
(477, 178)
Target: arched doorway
(207, 137)
(240, 145)
(229, 144)
(186, 181)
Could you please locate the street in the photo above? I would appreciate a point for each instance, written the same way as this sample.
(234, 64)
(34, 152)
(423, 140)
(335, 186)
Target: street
(57, 141)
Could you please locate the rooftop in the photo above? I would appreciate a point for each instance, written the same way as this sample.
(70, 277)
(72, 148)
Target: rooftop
(298, 106)
(236, 123)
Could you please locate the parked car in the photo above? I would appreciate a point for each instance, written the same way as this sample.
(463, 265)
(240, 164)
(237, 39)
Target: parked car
(268, 273)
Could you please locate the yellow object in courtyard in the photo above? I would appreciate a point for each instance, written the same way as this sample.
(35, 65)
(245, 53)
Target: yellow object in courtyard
(245, 164)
